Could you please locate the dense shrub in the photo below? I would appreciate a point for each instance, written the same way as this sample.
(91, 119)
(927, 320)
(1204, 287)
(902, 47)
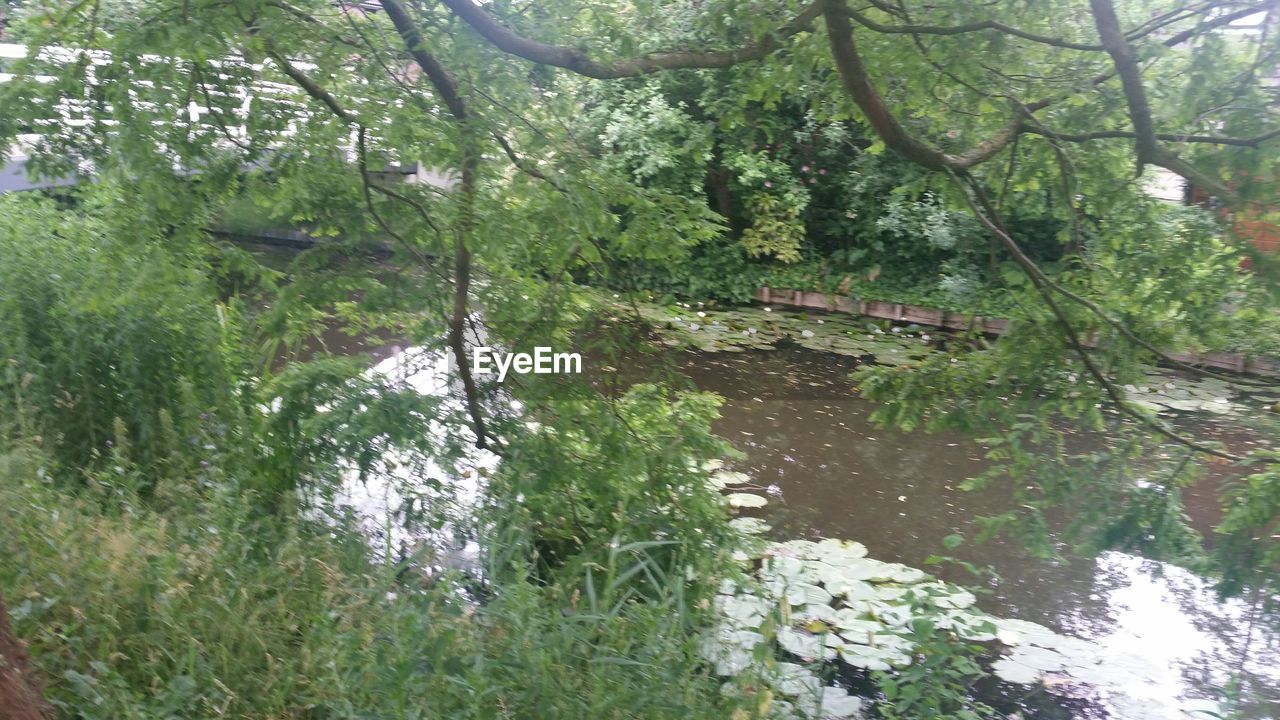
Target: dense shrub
(112, 349)
(209, 609)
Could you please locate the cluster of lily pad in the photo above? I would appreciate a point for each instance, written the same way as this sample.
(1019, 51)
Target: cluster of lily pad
(1163, 391)
(742, 329)
(824, 606)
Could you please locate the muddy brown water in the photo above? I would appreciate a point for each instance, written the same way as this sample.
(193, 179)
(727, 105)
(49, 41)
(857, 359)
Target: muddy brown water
(832, 473)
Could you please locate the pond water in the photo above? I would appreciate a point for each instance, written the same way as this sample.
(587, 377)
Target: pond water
(832, 473)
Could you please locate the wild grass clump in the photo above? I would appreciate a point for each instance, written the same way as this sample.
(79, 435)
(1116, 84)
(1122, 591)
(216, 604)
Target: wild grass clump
(207, 609)
(112, 349)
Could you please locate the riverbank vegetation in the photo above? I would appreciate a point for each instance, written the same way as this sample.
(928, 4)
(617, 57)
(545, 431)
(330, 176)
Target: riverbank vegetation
(185, 431)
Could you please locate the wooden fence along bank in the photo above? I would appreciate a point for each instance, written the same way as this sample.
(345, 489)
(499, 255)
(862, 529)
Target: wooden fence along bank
(1233, 362)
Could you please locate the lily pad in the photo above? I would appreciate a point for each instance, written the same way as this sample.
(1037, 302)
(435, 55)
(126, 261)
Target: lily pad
(746, 500)
(750, 525)
(1015, 672)
(725, 478)
(838, 704)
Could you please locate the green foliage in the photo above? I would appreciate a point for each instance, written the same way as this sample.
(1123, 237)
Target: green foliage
(938, 684)
(201, 607)
(652, 138)
(592, 474)
(114, 351)
(775, 229)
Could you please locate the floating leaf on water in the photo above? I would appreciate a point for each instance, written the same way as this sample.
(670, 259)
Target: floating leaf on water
(976, 628)
(792, 548)
(893, 615)
(866, 657)
(744, 611)
(1023, 631)
(1039, 658)
(838, 704)
(783, 567)
(855, 629)
(797, 680)
(746, 500)
(807, 594)
(1015, 672)
(899, 573)
(750, 525)
(1201, 709)
(890, 593)
(819, 611)
(834, 551)
(725, 478)
(803, 645)
(731, 650)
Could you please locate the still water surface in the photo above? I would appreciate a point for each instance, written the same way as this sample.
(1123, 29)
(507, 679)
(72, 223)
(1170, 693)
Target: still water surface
(834, 474)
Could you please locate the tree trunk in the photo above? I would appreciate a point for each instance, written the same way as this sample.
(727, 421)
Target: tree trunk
(19, 693)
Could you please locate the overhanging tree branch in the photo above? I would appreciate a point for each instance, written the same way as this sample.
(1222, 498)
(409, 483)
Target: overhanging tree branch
(1040, 282)
(1251, 142)
(997, 26)
(462, 256)
(857, 82)
(580, 62)
(447, 88)
(966, 28)
(1147, 145)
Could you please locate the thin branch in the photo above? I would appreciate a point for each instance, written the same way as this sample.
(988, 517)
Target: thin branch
(362, 160)
(1172, 41)
(310, 19)
(198, 76)
(448, 91)
(1120, 327)
(312, 88)
(580, 62)
(523, 165)
(972, 27)
(1251, 142)
(1073, 338)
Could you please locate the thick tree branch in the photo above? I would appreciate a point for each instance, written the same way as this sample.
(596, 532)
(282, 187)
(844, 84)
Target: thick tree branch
(857, 82)
(447, 88)
(1146, 145)
(578, 61)
(440, 79)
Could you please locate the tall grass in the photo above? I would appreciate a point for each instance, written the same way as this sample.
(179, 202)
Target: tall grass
(209, 610)
(108, 344)
(156, 561)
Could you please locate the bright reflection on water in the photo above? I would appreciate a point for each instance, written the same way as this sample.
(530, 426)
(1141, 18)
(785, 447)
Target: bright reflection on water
(383, 504)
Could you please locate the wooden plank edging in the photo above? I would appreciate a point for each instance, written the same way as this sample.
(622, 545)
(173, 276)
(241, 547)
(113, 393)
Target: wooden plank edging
(830, 302)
